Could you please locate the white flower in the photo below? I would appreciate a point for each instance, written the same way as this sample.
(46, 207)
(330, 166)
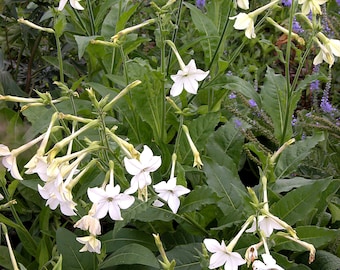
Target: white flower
(91, 243)
(311, 6)
(38, 165)
(245, 22)
(187, 78)
(244, 4)
(169, 192)
(221, 256)
(140, 169)
(9, 160)
(265, 224)
(328, 49)
(74, 3)
(89, 223)
(109, 200)
(269, 263)
(1, 197)
(56, 193)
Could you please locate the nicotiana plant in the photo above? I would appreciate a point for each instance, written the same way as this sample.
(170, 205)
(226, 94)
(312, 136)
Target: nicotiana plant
(170, 139)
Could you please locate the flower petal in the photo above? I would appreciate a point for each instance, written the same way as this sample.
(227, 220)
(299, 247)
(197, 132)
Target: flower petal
(212, 245)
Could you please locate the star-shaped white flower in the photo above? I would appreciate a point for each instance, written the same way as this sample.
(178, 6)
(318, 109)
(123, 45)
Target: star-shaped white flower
(221, 256)
(9, 160)
(170, 192)
(311, 6)
(109, 200)
(265, 224)
(91, 243)
(328, 48)
(245, 22)
(141, 169)
(74, 3)
(187, 78)
(268, 263)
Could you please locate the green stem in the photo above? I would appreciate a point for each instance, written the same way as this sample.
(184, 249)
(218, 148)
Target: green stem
(174, 34)
(92, 20)
(80, 20)
(60, 59)
(289, 89)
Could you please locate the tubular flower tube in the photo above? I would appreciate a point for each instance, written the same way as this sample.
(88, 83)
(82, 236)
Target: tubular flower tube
(247, 21)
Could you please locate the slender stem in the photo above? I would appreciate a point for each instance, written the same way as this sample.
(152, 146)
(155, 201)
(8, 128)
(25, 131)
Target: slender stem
(60, 59)
(92, 20)
(289, 89)
(80, 20)
(174, 34)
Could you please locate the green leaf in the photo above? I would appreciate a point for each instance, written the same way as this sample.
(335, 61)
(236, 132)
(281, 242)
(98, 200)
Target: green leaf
(69, 69)
(197, 199)
(127, 236)
(274, 95)
(206, 27)
(324, 260)
(237, 84)
(298, 204)
(131, 254)
(319, 237)
(335, 211)
(292, 156)
(82, 43)
(69, 247)
(227, 140)
(224, 180)
(186, 256)
(285, 185)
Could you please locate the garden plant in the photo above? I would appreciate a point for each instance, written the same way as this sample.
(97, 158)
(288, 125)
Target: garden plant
(170, 134)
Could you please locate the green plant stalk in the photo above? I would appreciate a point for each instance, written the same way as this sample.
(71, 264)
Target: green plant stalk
(122, 55)
(60, 59)
(92, 20)
(18, 225)
(174, 34)
(219, 45)
(289, 89)
(10, 250)
(82, 24)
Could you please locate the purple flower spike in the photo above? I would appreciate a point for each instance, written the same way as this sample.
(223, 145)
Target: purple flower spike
(252, 103)
(200, 3)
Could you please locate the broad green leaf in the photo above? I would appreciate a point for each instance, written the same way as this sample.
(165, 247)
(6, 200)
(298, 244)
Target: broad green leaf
(206, 27)
(69, 69)
(127, 236)
(224, 180)
(130, 254)
(295, 153)
(274, 95)
(5, 260)
(69, 247)
(298, 204)
(285, 185)
(124, 17)
(108, 27)
(319, 237)
(186, 256)
(227, 140)
(197, 199)
(235, 83)
(82, 43)
(324, 260)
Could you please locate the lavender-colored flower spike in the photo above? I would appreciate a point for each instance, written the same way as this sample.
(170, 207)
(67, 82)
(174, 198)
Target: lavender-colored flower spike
(286, 3)
(252, 103)
(297, 27)
(200, 3)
